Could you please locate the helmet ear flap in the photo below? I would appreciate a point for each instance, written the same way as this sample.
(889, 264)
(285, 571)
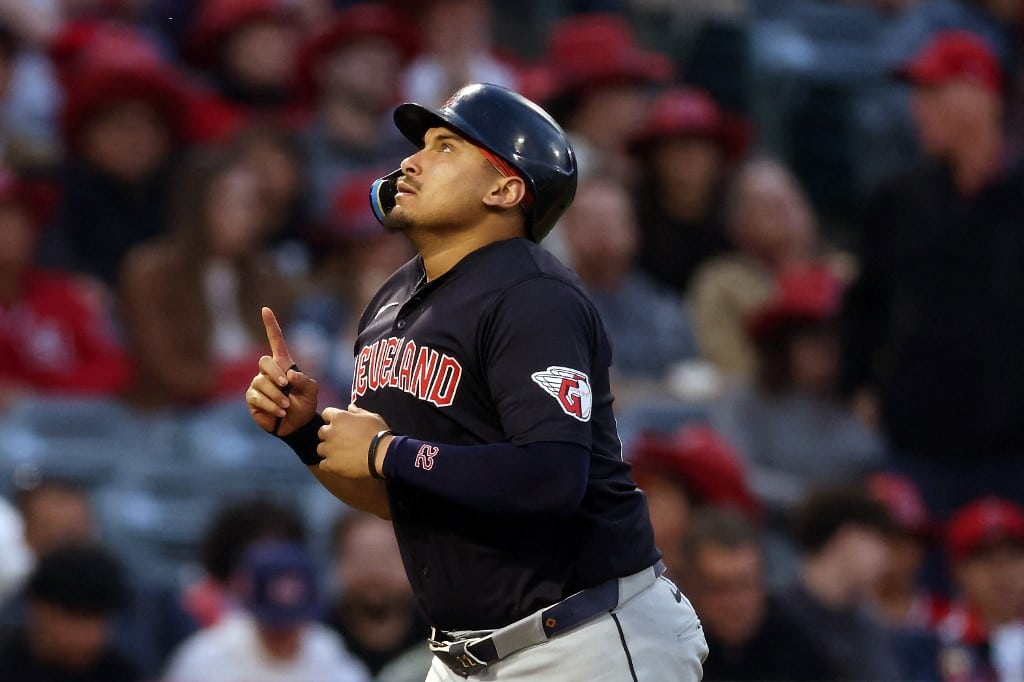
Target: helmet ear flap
(382, 194)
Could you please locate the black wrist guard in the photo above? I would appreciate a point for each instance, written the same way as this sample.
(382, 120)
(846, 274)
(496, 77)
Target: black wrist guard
(305, 440)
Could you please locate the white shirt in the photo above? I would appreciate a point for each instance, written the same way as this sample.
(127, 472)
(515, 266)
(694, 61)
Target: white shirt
(230, 336)
(15, 556)
(1008, 651)
(231, 651)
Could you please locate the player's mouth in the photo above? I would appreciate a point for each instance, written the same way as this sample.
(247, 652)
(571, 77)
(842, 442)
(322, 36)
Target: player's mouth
(403, 187)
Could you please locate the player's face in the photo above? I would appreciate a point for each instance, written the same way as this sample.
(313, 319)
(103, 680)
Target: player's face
(442, 186)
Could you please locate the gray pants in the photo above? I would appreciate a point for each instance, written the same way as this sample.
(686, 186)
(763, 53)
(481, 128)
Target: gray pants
(653, 637)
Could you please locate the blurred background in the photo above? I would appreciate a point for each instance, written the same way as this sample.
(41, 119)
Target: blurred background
(801, 220)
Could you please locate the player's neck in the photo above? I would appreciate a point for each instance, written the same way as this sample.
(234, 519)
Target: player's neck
(441, 252)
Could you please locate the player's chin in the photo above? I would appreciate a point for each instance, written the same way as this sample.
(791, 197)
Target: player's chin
(397, 221)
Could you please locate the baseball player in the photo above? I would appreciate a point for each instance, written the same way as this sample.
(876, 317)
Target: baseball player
(481, 418)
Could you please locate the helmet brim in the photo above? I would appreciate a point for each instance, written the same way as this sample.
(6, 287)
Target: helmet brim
(414, 120)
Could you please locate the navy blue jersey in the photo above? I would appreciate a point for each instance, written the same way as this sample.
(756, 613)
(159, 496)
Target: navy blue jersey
(503, 348)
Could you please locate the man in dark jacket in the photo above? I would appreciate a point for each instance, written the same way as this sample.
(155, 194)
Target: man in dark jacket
(934, 325)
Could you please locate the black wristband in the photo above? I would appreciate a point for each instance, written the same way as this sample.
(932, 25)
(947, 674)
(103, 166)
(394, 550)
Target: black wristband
(305, 440)
(371, 453)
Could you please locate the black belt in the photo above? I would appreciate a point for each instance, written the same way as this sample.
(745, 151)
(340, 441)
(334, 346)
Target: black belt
(468, 654)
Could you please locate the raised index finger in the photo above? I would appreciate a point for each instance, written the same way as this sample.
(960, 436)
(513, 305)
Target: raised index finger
(278, 348)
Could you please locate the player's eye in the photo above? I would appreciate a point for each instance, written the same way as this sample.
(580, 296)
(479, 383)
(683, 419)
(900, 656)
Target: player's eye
(445, 147)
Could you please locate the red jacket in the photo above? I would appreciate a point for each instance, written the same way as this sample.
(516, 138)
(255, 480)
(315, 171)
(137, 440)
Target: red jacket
(52, 340)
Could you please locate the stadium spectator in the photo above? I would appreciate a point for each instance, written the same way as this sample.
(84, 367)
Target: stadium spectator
(275, 154)
(911, 610)
(373, 607)
(649, 327)
(899, 594)
(233, 529)
(787, 424)
(772, 226)
(215, 259)
(457, 50)
(72, 594)
(274, 636)
(685, 151)
(942, 258)
(983, 634)
(248, 50)
(688, 469)
(123, 115)
(601, 80)
(147, 624)
(352, 71)
(750, 636)
(842, 535)
(55, 336)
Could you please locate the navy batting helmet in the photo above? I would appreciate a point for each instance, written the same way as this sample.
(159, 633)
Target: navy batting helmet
(512, 128)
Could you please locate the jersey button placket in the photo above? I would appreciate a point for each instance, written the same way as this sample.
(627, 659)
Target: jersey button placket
(400, 324)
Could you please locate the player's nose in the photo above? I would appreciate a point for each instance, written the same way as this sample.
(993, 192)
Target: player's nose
(410, 164)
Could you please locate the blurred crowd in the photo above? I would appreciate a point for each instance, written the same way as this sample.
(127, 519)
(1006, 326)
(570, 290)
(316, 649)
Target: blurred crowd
(802, 222)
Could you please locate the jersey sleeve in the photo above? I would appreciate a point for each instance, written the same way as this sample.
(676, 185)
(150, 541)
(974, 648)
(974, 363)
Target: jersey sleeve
(543, 346)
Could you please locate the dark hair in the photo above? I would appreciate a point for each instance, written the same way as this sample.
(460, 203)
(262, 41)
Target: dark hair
(237, 525)
(827, 510)
(719, 526)
(82, 579)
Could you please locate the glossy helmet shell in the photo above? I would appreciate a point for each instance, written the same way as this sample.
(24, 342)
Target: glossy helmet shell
(509, 126)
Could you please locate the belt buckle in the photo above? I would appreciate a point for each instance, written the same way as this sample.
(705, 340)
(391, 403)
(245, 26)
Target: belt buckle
(457, 657)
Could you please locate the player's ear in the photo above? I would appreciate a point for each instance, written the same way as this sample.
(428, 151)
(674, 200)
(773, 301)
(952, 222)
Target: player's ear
(506, 192)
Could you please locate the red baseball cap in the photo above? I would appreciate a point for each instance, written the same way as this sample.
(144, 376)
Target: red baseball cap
(158, 85)
(903, 501)
(802, 294)
(982, 522)
(954, 56)
(682, 112)
(595, 49)
(700, 458)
